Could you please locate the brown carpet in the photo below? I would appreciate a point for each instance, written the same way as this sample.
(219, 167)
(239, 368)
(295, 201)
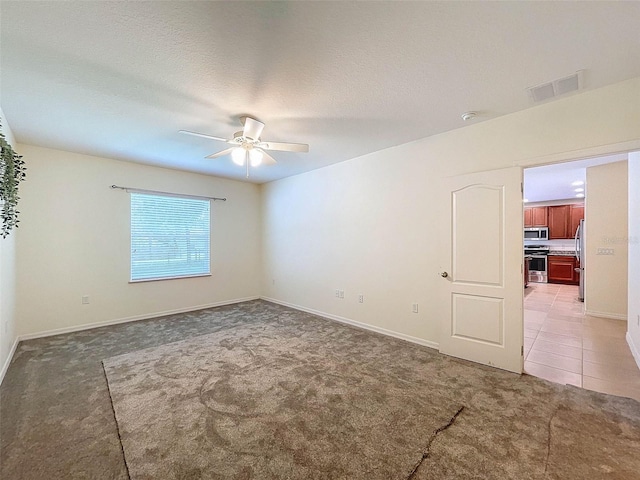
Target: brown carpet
(265, 402)
(57, 421)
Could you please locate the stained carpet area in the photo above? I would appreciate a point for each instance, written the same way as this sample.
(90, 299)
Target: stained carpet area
(270, 402)
(57, 419)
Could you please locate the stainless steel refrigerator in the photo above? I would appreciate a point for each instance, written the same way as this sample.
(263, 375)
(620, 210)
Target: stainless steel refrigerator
(580, 256)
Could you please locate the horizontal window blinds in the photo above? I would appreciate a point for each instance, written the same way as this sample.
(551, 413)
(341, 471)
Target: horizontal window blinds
(170, 237)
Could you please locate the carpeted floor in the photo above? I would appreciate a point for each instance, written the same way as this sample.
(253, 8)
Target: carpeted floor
(256, 407)
(264, 401)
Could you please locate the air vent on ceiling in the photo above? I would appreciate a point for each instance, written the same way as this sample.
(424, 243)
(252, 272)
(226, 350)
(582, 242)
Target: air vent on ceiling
(558, 87)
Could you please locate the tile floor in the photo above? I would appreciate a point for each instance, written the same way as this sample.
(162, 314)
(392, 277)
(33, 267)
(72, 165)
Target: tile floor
(564, 345)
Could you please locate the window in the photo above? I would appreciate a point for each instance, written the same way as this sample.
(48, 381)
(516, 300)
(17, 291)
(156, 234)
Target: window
(169, 237)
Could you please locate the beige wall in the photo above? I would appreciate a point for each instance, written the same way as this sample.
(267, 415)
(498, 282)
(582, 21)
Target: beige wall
(74, 241)
(371, 225)
(633, 328)
(7, 279)
(606, 222)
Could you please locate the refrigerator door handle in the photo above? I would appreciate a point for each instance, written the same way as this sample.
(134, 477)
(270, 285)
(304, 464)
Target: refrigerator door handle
(577, 243)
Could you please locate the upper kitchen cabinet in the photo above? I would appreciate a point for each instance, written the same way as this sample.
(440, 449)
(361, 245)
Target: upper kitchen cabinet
(577, 214)
(535, 216)
(563, 220)
(559, 221)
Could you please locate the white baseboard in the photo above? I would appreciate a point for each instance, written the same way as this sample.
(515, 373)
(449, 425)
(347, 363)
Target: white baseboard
(146, 316)
(615, 316)
(7, 362)
(365, 326)
(89, 326)
(634, 350)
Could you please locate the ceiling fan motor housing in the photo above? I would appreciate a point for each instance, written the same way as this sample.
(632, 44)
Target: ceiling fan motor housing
(240, 139)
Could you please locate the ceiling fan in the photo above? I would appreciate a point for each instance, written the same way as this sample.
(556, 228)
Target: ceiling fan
(249, 149)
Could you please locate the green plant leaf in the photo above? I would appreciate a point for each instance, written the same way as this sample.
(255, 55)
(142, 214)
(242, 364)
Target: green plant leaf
(12, 172)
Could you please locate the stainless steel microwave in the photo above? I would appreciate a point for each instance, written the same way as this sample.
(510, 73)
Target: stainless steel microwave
(536, 233)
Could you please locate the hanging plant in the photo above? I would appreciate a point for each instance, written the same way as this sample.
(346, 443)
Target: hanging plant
(12, 172)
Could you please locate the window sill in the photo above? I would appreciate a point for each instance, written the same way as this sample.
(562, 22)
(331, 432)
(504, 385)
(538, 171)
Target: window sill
(159, 279)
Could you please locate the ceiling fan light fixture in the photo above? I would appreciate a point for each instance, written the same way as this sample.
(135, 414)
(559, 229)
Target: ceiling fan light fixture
(238, 155)
(247, 148)
(255, 157)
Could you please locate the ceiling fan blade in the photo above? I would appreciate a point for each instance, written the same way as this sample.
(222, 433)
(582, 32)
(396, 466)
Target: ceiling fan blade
(220, 154)
(267, 159)
(252, 128)
(204, 135)
(285, 147)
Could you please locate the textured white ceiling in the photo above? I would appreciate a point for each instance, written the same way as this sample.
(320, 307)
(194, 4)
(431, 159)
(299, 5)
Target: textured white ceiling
(554, 182)
(119, 79)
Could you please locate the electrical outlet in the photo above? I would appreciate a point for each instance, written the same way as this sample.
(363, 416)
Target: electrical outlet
(361, 298)
(85, 300)
(341, 293)
(415, 308)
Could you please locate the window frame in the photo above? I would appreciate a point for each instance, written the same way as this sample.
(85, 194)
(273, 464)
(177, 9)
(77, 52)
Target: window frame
(131, 237)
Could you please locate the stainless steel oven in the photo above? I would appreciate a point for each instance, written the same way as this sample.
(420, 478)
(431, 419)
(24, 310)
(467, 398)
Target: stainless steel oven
(537, 255)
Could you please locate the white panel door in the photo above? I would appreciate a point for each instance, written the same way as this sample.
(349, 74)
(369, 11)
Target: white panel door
(482, 269)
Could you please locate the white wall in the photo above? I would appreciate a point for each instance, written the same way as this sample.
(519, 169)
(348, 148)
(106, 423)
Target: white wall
(74, 241)
(606, 224)
(361, 228)
(371, 225)
(7, 278)
(633, 326)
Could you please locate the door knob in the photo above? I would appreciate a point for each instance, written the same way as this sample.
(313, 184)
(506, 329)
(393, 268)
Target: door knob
(444, 274)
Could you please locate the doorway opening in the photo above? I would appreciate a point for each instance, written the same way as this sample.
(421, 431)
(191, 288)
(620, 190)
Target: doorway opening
(571, 335)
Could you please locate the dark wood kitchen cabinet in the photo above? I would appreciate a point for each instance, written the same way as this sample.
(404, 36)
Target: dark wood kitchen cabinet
(535, 216)
(559, 222)
(576, 214)
(561, 269)
(563, 220)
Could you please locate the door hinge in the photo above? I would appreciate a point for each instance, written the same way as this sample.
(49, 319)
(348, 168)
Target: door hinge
(521, 187)
(522, 350)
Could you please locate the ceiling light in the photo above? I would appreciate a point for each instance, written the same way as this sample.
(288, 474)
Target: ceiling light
(255, 156)
(469, 116)
(580, 195)
(238, 155)
(525, 200)
(577, 183)
(579, 190)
